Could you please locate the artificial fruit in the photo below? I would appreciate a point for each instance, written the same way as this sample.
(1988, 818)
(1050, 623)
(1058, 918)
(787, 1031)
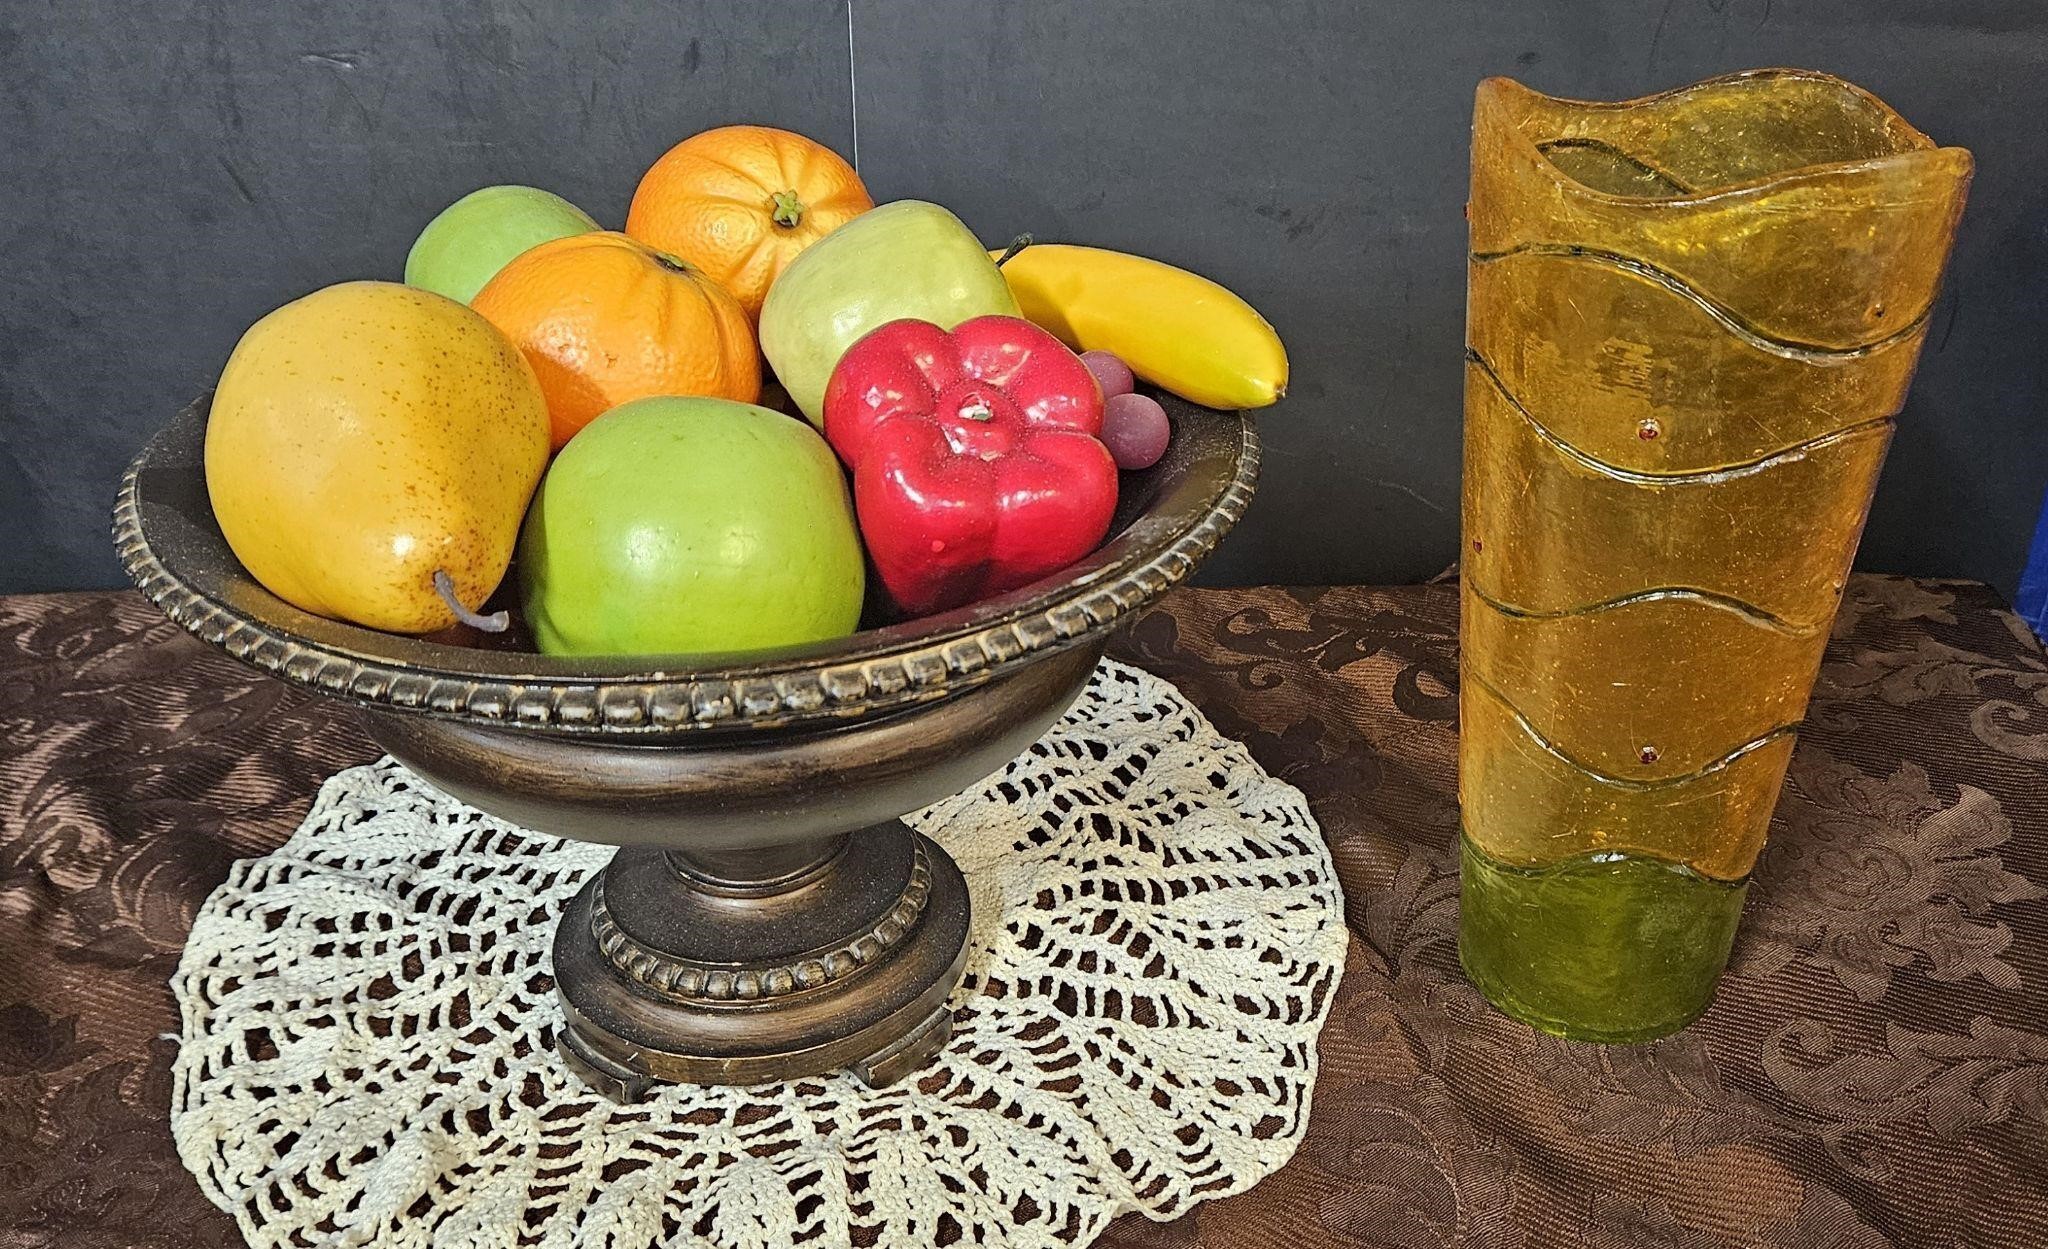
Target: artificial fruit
(976, 467)
(690, 525)
(740, 202)
(1177, 330)
(605, 320)
(367, 437)
(903, 260)
(470, 240)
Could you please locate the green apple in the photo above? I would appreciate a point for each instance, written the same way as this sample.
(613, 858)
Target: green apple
(906, 259)
(672, 525)
(479, 234)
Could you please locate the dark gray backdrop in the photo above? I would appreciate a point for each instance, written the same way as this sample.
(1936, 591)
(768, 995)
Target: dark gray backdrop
(174, 170)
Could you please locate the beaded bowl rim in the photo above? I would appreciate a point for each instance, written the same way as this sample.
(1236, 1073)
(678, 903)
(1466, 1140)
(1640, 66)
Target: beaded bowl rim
(173, 551)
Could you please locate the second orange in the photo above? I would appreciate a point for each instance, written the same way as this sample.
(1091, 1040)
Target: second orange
(604, 320)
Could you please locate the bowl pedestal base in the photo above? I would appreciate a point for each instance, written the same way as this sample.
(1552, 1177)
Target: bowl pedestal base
(742, 934)
(763, 964)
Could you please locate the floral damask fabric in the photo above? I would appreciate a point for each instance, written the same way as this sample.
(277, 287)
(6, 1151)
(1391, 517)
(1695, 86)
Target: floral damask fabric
(1874, 1073)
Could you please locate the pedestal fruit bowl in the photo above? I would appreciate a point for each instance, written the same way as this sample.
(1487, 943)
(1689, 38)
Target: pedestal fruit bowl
(768, 914)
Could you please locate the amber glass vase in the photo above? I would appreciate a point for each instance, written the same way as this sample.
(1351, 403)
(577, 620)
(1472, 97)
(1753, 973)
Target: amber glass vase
(1691, 319)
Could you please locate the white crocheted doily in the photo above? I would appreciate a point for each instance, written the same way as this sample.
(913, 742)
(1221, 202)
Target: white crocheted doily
(367, 1019)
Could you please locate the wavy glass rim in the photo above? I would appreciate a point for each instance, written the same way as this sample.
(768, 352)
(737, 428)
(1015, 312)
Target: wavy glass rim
(1494, 92)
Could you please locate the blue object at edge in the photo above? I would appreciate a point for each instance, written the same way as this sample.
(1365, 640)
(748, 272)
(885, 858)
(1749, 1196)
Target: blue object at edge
(2033, 596)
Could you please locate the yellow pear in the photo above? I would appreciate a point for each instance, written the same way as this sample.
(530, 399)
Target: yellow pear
(366, 437)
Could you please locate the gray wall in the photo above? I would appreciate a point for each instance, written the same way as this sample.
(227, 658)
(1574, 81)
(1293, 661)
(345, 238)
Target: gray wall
(174, 170)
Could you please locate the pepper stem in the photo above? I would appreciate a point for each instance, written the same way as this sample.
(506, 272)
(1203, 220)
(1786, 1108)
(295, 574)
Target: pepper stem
(496, 622)
(788, 209)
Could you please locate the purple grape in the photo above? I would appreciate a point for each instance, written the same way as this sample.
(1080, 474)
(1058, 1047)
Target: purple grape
(1135, 429)
(1112, 374)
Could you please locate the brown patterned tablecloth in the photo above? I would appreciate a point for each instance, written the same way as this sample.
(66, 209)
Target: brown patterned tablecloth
(1875, 1072)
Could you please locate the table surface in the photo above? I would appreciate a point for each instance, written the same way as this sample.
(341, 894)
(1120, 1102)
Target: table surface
(1874, 1073)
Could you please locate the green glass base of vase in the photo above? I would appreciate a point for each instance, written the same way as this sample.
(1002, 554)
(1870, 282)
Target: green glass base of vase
(1608, 947)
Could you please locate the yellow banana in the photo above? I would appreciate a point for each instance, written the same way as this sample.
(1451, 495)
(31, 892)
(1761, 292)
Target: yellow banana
(1176, 329)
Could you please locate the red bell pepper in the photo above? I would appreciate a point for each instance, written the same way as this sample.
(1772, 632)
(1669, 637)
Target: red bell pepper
(975, 458)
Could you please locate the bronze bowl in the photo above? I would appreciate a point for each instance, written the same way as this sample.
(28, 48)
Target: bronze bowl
(768, 914)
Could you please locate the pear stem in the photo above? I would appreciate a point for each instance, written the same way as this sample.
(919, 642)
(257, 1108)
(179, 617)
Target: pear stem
(496, 622)
(1017, 244)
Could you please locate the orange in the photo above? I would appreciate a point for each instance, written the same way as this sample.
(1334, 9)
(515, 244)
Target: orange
(741, 201)
(604, 320)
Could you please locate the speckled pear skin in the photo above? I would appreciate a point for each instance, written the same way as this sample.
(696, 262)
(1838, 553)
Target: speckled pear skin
(365, 436)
